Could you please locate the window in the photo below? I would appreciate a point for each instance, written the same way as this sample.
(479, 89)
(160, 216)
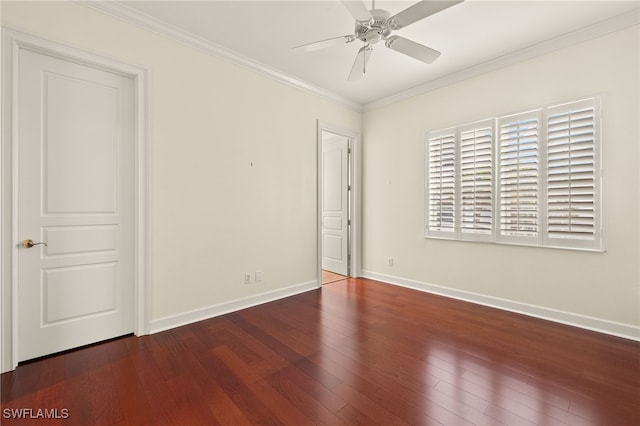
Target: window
(535, 180)
(441, 180)
(572, 175)
(519, 185)
(476, 181)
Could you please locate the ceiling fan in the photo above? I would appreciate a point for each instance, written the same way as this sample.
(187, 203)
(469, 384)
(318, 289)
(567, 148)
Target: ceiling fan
(375, 25)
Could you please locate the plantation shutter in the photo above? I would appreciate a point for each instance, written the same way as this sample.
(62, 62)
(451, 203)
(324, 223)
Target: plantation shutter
(441, 183)
(476, 181)
(572, 169)
(519, 175)
(531, 178)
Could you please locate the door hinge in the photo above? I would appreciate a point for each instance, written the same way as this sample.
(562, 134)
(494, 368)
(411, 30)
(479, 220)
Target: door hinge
(349, 151)
(348, 187)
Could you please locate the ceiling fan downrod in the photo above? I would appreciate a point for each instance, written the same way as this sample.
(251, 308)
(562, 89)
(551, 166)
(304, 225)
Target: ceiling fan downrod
(374, 25)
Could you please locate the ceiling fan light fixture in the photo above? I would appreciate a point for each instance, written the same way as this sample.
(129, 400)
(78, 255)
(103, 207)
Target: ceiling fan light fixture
(374, 25)
(374, 30)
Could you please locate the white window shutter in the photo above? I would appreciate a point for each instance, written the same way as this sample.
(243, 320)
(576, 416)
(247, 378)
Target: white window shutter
(476, 181)
(531, 178)
(519, 185)
(441, 184)
(572, 175)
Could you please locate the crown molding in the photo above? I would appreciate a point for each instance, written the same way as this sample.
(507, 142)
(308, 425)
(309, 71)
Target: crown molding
(596, 30)
(142, 20)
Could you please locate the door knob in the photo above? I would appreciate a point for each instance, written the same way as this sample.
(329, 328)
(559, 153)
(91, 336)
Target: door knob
(30, 243)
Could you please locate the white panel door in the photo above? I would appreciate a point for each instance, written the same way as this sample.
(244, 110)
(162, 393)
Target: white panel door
(335, 203)
(76, 194)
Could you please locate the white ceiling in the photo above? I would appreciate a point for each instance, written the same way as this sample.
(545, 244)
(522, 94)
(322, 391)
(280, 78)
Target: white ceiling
(468, 34)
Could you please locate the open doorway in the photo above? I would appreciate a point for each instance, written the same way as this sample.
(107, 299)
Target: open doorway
(338, 204)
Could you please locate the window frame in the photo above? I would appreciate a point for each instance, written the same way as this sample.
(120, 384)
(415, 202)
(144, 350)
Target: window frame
(477, 126)
(440, 233)
(597, 243)
(542, 238)
(504, 121)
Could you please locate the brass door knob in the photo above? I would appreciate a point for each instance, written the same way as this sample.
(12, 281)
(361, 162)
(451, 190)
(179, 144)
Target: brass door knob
(30, 243)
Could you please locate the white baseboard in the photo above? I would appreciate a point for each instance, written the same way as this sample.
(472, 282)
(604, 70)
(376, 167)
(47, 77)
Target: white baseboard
(184, 318)
(613, 328)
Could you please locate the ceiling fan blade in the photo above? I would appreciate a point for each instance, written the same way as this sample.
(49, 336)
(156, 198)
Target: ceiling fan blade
(360, 64)
(413, 49)
(419, 11)
(357, 9)
(317, 45)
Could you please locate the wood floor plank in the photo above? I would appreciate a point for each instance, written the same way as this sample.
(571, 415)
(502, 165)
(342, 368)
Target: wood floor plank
(353, 416)
(135, 407)
(314, 410)
(360, 403)
(266, 338)
(151, 380)
(329, 277)
(212, 395)
(77, 390)
(385, 392)
(355, 351)
(278, 404)
(244, 397)
(314, 387)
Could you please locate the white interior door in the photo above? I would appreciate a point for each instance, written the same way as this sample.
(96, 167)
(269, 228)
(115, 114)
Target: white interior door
(335, 203)
(76, 194)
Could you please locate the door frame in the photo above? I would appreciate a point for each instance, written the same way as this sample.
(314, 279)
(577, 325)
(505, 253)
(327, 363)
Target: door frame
(355, 198)
(12, 43)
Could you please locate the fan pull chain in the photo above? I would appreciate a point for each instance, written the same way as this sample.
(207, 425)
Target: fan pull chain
(364, 59)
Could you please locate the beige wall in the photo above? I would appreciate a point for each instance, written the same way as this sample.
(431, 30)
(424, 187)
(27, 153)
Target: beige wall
(600, 285)
(213, 215)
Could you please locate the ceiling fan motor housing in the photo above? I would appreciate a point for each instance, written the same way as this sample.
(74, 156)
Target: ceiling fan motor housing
(374, 30)
(375, 25)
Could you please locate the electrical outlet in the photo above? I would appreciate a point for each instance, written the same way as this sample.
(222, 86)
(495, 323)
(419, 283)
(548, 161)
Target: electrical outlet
(390, 261)
(247, 278)
(258, 276)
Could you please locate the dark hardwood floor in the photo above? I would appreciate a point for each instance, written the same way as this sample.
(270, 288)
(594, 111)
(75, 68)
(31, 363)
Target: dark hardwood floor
(355, 352)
